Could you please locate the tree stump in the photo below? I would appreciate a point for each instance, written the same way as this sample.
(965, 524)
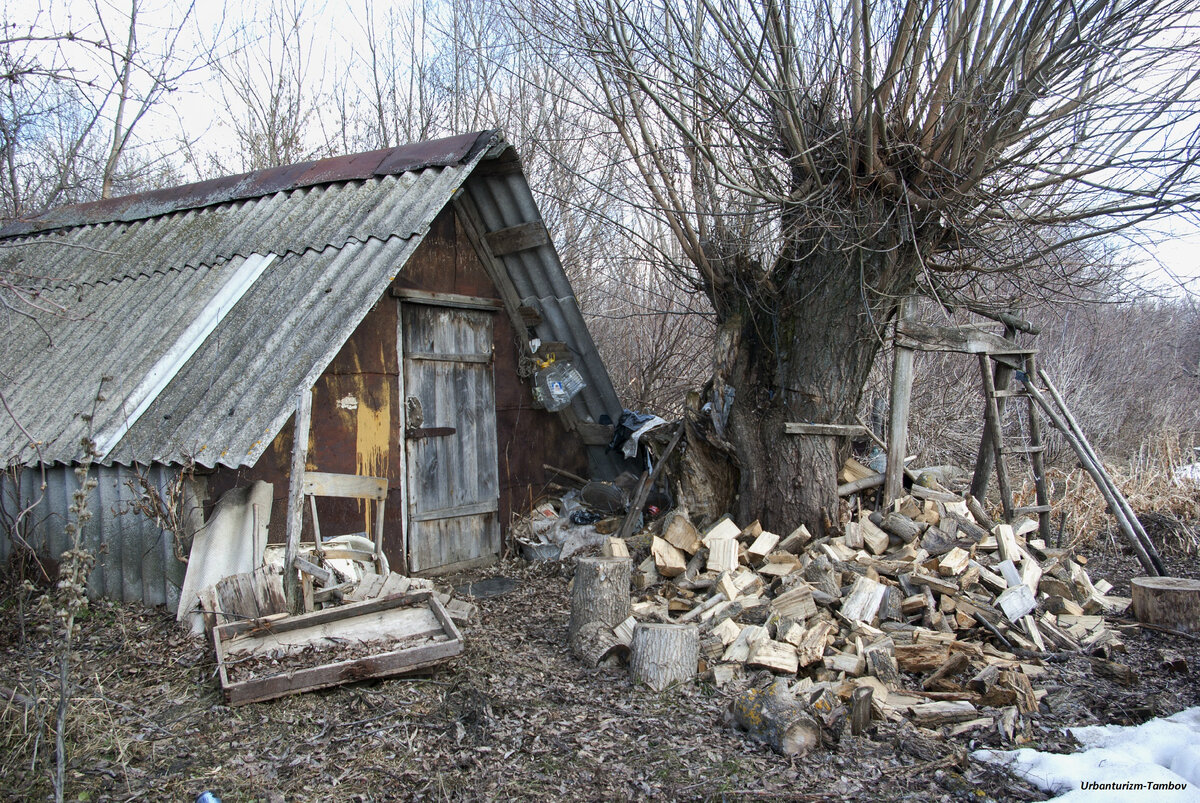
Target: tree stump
(662, 654)
(1168, 602)
(774, 717)
(600, 594)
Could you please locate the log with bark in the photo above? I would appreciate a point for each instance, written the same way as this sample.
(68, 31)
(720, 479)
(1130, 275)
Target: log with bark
(600, 594)
(776, 718)
(1172, 602)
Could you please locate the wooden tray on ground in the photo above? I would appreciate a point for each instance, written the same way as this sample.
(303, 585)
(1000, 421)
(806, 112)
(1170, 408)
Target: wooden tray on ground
(410, 632)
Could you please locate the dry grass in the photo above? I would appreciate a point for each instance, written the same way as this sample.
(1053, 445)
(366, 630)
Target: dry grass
(1148, 482)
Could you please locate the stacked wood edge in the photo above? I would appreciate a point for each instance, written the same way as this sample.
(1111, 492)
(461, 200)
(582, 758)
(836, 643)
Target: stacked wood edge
(926, 612)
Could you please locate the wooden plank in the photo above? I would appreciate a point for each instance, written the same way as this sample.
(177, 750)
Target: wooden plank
(233, 629)
(431, 356)
(295, 507)
(961, 339)
(403, 414)
(901, 395)
(835, 430)
(447, 299)
(404, 660)
(460, 510)
(345, 486)
(521, 237)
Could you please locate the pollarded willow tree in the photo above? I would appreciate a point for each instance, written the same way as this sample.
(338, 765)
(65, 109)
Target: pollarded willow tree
(817, 163)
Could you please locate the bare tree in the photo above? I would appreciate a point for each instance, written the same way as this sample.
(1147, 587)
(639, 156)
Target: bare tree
(275, 86)
(818, 163)
(74, 99)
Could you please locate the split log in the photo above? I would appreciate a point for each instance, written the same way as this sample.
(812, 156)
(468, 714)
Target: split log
(863, 603)
(773, 655)
(1016, 602)
(600, 594)
(932, 715)
(860, 710)
(723, 555)
(924, 656)
(762, 546)
(615, 548)
(957, 662)
(664, 654)
(811, 646)
(669, 561)
(823, 577)
(796, 541)
(882, 665)
(1167, 601)
(777, 719)
(681, 534)
(795, 604)
(874, 538)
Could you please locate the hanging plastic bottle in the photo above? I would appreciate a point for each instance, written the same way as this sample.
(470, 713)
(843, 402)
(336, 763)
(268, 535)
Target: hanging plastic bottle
(556, 383)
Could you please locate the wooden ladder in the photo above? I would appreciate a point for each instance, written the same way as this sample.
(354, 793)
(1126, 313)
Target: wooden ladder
(997, 369)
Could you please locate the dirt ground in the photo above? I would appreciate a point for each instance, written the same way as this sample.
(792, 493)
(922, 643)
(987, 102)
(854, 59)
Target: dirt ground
(514, 717)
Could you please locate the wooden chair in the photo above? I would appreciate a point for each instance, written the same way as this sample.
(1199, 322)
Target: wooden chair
(349, 486)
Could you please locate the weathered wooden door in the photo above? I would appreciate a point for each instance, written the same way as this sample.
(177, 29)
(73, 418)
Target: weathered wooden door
(453, 485)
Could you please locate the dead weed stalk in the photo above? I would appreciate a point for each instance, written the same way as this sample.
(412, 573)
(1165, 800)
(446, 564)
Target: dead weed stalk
(1149, 481)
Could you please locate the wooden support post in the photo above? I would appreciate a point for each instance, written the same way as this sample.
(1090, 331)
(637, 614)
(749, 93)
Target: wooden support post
(1121, 509)
(902, 379)
(991, 413)
(295, 505)
(986, 459)
(1107, 490)
(1037, 459)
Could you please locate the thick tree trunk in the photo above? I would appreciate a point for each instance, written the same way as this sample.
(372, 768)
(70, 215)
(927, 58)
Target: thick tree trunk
(600, 594)
(805, 358)
(663, 654)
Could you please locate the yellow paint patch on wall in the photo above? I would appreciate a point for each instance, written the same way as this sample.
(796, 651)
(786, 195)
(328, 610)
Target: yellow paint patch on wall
(372, 448)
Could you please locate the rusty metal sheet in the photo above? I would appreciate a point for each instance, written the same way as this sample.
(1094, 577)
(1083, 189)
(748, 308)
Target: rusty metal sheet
(388, 161)
(436, 153)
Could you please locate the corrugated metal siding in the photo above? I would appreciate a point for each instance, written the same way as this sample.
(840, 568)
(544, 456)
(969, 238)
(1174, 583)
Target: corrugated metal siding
(135, 560)
(504, 201)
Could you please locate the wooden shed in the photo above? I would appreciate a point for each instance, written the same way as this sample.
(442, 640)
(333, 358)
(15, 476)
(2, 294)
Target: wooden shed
(404, 288)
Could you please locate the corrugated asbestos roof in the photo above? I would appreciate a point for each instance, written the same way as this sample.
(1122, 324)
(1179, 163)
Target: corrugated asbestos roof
(184, 322)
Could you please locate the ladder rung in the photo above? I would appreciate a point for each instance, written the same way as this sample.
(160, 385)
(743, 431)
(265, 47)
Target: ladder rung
(1026, 449)
(1008, 394)
(1032, 509)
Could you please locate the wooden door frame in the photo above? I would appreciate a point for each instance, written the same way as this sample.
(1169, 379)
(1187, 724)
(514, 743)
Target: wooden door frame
(431, 299)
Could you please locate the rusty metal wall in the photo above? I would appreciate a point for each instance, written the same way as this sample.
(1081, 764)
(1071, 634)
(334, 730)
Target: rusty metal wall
(135, 560)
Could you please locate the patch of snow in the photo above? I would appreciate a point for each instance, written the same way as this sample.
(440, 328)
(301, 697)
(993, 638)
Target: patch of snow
(1162, 755)
(1189, 472)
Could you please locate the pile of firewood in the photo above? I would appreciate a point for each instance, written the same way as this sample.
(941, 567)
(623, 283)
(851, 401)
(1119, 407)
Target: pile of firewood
(939, 614)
